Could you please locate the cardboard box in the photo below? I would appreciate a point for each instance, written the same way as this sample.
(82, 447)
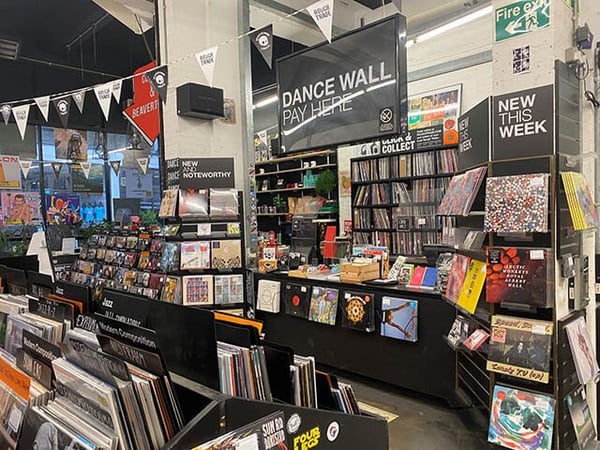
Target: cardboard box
(359, 272)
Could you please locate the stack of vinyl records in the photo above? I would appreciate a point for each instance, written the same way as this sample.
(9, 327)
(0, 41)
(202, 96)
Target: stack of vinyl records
(243, 372)
(334, 394)
(304, 384)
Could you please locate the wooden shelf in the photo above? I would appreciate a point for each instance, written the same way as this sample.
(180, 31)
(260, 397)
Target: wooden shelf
(299, 169)
(270, 191)
(295, 156)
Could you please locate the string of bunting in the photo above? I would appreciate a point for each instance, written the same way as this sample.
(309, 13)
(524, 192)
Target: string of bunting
(321, 12)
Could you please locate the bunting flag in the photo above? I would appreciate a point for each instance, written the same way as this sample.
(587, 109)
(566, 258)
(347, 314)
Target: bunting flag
(322, 14)
(159, 78)
(143, 164)
(262, 135)
(25, 166)
(21, 113)
(43, 103)
(6, 110)
(116, 90)
(207, 60)
(263, 41)
(116, 165)
(63, 106)
(86, 167)
(79, 98)
(104, 94)
(57, 167)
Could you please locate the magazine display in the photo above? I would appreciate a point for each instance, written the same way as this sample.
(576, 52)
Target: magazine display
(520, 348)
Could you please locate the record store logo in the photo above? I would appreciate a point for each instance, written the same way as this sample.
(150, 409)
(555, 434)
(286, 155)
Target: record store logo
(5, 109)
(263, 41)
(293, 423)
(333, 431)
(63, 107)
(386, 120)
(160, 79)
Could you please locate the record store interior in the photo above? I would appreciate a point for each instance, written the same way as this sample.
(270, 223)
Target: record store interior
(299, 224)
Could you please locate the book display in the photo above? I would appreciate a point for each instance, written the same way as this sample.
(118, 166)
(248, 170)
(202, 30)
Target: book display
(395, 199)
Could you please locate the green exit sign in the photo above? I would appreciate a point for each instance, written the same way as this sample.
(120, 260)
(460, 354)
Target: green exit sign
(521, 17)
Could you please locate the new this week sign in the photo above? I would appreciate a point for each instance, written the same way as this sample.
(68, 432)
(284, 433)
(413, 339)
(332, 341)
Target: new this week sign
(350, 90)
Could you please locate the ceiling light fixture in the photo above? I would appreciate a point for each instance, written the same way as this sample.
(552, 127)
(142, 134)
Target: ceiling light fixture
(454, 24)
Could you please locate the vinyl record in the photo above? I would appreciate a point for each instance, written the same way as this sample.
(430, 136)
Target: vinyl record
(358, 311)
(296, 298)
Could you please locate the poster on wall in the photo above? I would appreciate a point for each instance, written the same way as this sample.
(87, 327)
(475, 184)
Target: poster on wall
(523, 124)
(10, 172)
(433, 117)
(19, 207)
(137, 184)
(204, 173)
(92, 183)
(62, 209)
(12, 144)
(70, 144)
(350, 90)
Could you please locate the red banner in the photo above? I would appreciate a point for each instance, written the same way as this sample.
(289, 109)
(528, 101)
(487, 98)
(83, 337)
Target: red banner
(143, 114)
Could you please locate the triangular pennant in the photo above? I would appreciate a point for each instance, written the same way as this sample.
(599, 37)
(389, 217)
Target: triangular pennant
(63, 105)
(21, 114)
(207, 60)
(262, 135)
(159, 78)
(143, 164)
(25, 166)
(116, 90)
(57, 167)
(86, 167)
(79, 98)
(104, 94)
(263, 41)
(6, 110)
(322, 14)
(398, 4)
(116, 165)
(43, 103)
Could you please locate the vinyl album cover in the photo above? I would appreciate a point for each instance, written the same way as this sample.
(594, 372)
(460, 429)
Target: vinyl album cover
(520, 348)
(583, 424)
(169, 261)
(521, 420)
(223, 202)
(193, 203)
(472, 286)
(456, 277)
(443, 264)
(62, 208)
(156, 281)
(476, 339)
(406, 271)
(156, 245)
(399, 318)
(70, 144)
(168, 203)
(229, 289)
(517, 275)
(461, 193)
(517, 203)
(358, 311)
(41, 431)
(143, 260)
(198, 290)
(268, 295)
(194, 255)
(20, 207)
(580, 201)
(296, 299)
(171, 291)
(323, 305)
(226, 254)
(582, 350)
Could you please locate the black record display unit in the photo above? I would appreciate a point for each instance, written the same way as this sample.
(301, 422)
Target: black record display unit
(395, 198)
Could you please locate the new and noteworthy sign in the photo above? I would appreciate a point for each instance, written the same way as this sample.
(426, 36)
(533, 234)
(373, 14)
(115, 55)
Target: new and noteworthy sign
(523, 16)
(203, 173)
(524, 124)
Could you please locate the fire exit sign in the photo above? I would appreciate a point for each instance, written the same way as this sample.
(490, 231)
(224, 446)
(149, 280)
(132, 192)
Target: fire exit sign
(523, 16)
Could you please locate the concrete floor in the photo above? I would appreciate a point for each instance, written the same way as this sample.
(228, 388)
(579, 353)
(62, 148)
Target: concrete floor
(424, 423)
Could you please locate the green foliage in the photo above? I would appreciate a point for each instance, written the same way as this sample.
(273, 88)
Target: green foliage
(148, 217)
(85, 233)
(326, 182)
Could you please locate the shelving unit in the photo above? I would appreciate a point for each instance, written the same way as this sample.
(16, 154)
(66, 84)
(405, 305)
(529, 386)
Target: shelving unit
(408, 187)
(280, 179)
